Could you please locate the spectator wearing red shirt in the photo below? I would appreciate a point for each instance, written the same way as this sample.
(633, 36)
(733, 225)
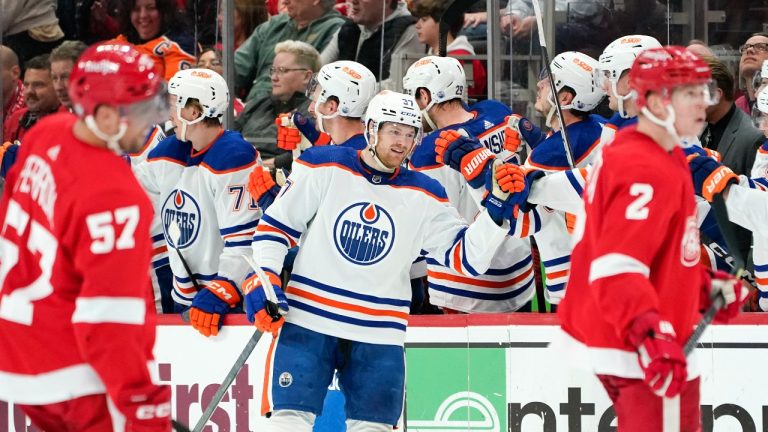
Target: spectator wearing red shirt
(13, 94)
(39, 95)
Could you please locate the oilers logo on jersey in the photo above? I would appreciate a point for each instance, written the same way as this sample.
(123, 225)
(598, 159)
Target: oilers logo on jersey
(364, 233)
(182, 208)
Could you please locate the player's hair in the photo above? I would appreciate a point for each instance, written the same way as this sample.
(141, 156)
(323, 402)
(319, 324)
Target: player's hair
(68, 50)
(435, 10)
(722, 75)
(306, 55)
(38, 62)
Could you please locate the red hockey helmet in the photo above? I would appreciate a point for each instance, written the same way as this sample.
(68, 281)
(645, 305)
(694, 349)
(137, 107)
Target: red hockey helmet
(662, 69)
(112, 73)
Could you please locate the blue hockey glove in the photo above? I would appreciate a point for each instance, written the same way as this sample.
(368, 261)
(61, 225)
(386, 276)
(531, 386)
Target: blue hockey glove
(266, 315)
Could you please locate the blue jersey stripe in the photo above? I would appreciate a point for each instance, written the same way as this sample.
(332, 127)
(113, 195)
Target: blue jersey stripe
(267, 237)
(236, 228)
(282, 227)
(357, 296)
(557, 261)
(575, 183)
(556, 287)
(342, 318)
(238, 243)
(481, 296)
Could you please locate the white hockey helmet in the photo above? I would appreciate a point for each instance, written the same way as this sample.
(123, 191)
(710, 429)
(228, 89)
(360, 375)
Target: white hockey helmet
(579, 72)
(618, 57)
(205, 85)
(350, 82)
(760, 110)
(443, 77)
(389, 106)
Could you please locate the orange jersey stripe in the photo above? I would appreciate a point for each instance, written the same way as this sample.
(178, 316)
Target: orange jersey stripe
(483, 283)
(346, 306)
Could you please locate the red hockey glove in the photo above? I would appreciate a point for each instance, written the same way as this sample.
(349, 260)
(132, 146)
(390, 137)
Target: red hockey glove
(147, 409)
(257, 303)
(660, 355)
(210, 304)
(709, 176)
(733, 291)
(465, 155)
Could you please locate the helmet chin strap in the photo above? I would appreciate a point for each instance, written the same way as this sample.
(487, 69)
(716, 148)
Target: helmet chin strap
(321, 117)
(425, 114)
(620, 100)
(113, 141)
(185, 123)
(668, 124)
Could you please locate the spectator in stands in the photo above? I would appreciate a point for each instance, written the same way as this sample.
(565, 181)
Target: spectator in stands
(210, 58)
(753, 53)
(249, 14)
(428, 13)
(360, 39)
(63, 59)
(39, 95)
(294, 64)
(699, 48)
(156, 28)
(311, 21)
(30, 28)
(13, 88)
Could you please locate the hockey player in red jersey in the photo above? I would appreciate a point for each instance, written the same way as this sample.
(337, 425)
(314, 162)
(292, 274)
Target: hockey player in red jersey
(634, 299)
(77, 322)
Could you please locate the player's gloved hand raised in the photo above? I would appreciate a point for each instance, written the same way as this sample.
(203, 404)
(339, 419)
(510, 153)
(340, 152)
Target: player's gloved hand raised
(709, 176)
(733, 291)
(296, 131)
(660, 354)
(519, 129)
(504, 184)
(211, 304)
(465, 155)
(146, 409)
(259, 310)
(261, 186)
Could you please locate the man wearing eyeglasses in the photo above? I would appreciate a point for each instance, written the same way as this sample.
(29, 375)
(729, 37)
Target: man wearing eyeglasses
(753, 53)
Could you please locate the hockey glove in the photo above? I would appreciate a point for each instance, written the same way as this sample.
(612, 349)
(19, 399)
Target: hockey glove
(660, 355)
(733, 291)
(519, 129)
(258, 309)
(210, 304)
(709, 176)
(147, 409)
(497, 198)
(465, 155)
(262, 188)
(296, 131)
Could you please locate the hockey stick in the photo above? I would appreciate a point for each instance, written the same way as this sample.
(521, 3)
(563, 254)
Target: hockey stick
(553, 89)
(450, 15)
(179, 427)
(724, 223)
(175, 233)
(274, 312)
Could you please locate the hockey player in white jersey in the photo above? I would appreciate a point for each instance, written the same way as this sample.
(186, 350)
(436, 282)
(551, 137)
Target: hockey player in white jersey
(439, 86)
(199, 176)
(361, 220)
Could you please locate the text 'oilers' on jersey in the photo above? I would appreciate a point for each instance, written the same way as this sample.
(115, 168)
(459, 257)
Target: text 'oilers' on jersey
(75, 299)
(204, 193)
(509, 282)
(360, 230)
(619, 271)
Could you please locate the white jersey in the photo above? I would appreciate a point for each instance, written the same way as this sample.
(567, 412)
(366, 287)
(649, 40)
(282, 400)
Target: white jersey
(359, 230)
(509, 282)
(205, 194)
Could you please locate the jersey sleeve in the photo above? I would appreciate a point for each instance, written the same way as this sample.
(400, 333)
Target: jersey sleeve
(629, 203)
(288, 217)
(466, 249)
(236, 217)
(108, 239)
(560, 190)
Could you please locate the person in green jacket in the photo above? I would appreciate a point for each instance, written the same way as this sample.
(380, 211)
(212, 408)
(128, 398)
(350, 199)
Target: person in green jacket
(311, 21)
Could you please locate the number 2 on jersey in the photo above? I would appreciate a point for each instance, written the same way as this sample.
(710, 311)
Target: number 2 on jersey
(638, 209)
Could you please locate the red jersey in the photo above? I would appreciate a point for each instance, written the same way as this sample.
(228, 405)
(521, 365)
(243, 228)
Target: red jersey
(638, 250)
(76, 310)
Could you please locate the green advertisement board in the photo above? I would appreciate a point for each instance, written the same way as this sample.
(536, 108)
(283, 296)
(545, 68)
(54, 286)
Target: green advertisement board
(456, 389)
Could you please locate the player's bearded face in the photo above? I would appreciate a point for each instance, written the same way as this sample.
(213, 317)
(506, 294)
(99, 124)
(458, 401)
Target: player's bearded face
(395, 143)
